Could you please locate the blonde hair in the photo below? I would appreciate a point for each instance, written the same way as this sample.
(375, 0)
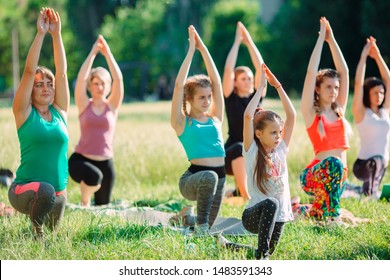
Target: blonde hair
(190, 87)
(102, 74)
(260, 121)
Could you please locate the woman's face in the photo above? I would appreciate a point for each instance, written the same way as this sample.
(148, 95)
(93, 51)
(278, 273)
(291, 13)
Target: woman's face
(244, 83)
(43, 90)
(98, 88)
(377, 95)
(328, 90)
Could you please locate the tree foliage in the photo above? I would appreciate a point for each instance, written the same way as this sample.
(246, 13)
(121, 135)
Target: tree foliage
(134, 41)
(220, 29)
(294, 32)
(149, 37)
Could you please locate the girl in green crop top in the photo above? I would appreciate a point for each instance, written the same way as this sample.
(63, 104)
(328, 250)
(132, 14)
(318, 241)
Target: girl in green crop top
(204, 180)
(40, 111)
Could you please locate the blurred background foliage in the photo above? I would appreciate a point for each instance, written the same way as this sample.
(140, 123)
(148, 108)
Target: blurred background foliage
(149, 37)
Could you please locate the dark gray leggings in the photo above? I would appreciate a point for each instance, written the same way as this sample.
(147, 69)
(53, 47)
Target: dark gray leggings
(260, 219)
(371, 172)
(40, 201)
(206, 189)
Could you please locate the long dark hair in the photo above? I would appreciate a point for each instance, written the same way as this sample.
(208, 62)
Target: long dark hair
(369, 83)
(260, 121)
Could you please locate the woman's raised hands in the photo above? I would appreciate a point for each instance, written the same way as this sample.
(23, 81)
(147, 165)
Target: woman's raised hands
(102, 45)
(245, 36)
(54, 21)
(198, 41)
(43, 21)
(374, 52)
(323, 28)
(329, 32)
(238, 37)
(191, 37)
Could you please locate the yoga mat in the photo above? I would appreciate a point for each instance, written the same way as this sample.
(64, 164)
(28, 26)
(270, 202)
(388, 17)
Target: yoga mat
(152, 217)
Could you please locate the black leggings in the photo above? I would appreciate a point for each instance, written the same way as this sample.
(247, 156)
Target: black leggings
(371, 172)
(260, 219)
(232, 152)
(92, 173)
(40, 201)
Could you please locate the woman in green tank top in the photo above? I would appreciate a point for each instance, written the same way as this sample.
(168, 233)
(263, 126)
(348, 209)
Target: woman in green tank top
(40, 109)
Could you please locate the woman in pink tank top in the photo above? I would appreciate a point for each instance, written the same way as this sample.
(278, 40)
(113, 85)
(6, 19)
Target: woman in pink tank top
(91, 164)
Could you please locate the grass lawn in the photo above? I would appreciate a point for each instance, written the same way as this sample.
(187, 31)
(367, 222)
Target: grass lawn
(149, 161)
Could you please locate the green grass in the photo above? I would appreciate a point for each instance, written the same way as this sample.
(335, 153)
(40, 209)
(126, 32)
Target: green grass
(149, 161)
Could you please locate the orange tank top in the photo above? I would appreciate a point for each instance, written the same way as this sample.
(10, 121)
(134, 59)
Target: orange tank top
(335, 135)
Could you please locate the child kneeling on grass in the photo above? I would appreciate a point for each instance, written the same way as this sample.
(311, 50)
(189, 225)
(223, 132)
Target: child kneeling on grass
(266, 138)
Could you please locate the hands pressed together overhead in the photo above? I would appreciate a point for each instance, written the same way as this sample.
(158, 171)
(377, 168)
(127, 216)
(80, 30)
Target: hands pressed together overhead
(101, 46)
(49, 21)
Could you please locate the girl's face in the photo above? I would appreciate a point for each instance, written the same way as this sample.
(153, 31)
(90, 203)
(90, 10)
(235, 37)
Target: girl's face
(98, 88)
(328, 90)
(271, 136)
(43, 90)
(244, 83)
(377, 95)
(201, 100)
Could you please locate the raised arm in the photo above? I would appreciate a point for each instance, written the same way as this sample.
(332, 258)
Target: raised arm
(117, 91)
(255, 55)
(307, 100)
(341, 67)
(177, 114)
(248, 133)
(62, 96)
(230, 64)
(217, 105)
(375, 54)
(288, 107)
(21, 104)
(80, 92)
(358, 109)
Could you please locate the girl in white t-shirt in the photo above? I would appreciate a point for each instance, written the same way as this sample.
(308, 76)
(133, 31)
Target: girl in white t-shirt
(266, 138)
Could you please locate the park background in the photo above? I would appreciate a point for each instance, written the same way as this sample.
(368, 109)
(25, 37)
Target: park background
(149, 40)
(149, 37)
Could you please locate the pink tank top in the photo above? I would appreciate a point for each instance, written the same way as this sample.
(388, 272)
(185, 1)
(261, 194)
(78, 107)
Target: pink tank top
(97, 132)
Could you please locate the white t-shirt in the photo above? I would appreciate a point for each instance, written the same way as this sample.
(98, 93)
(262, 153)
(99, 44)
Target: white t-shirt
(374, 132)
(277, 185)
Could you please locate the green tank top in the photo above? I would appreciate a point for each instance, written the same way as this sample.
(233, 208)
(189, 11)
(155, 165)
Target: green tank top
(43, 150)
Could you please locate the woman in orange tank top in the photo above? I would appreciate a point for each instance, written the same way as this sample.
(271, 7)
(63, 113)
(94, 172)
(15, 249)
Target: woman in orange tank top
(324, 99)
